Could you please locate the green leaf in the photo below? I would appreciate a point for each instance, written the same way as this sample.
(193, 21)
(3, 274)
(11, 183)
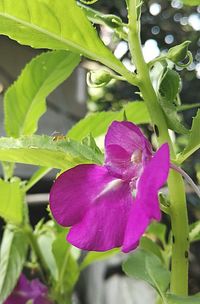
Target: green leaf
(100, 18)
(11, 201)
(148, 245)
(68, 270)
(12, 257)
(194, 234)
(55, 24)
(191, 2)
(45, 233)
(90, 142)
(169, 87)
(193, 141)
(93, 257)
(146, 266)
(173, 299)
(158, 230)
(44, 151)
(25, 99)
(45, 242)
(112, 21)
(98, 123)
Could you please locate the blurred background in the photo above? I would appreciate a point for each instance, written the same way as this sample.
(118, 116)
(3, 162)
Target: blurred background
(164, 24)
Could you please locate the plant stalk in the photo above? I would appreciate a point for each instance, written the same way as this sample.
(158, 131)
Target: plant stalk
(178, 210)
(33, 242)
(37, 176)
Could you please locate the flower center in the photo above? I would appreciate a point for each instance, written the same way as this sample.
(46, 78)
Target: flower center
(136, 157)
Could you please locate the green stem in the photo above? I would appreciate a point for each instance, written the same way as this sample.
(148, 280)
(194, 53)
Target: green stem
(178, 211)
(180, 238)
(8, 170)
(59, 292)
(40, 173)
(144, 81)
(34, 244)
(62, 273)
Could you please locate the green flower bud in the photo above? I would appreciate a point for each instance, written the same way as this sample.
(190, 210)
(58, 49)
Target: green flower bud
(99, 78)
(179, 52)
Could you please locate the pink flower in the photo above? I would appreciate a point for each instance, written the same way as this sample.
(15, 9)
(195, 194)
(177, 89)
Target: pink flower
(111, 206)
(28, 290)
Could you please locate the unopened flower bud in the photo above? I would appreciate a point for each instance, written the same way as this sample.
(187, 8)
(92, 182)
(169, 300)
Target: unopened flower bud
(179, 52)
(99, 78)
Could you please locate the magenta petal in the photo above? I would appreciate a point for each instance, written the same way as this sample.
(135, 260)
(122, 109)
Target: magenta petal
(121, 141)
(117, 161)
(74, 192)
(136, 226)
(146, 205)
(28, 290)
(152, 179)
(126, 135)
(104, 224)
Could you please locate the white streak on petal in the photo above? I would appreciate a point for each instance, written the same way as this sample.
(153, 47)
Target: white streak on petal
(110, 187)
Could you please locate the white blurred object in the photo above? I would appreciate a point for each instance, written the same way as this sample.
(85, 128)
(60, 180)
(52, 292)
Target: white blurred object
(150, 50)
